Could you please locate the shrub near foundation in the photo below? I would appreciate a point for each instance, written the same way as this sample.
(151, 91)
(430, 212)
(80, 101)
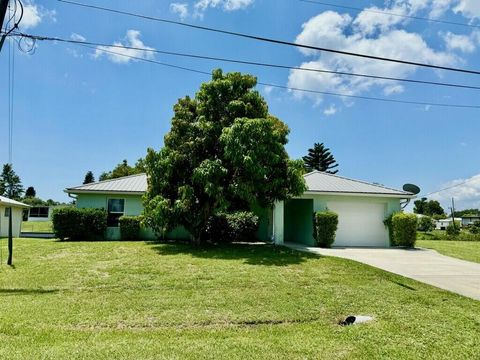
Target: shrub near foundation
(325, 225)
(130, 227)
(404, 229)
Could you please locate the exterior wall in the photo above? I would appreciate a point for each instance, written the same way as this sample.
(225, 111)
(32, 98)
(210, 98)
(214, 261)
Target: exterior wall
(16, 221)
(299, 215)
(133, 207)
(320, 203)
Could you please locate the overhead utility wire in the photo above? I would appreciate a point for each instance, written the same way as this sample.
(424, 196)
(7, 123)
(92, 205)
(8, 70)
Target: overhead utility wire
(245, 62)
(271, 40)
(389, 13)
(293, 88)
(451, 187)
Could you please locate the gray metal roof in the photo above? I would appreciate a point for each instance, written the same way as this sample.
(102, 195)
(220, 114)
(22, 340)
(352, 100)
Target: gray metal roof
(136, 184)
(13, 203)
(316, 182)
(322, 182)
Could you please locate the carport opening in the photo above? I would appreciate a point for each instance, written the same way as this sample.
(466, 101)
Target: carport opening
(298, 221)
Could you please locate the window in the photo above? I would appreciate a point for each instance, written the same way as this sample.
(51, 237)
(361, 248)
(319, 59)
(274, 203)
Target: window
(39, 212)
(7, 212)
(116, 208)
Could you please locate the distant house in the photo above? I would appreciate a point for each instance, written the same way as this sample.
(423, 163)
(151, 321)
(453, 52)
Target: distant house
(470, 219)
(361, 207)
(40, 213)
(442, 224)
(17, 209)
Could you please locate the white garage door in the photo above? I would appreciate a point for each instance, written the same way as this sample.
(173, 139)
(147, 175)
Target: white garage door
(360, 224)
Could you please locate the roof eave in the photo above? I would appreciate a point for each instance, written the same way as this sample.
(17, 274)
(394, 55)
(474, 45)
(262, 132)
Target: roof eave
(108, 192)
(346, 193)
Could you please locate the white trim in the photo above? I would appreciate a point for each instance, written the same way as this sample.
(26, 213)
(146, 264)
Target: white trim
(399, 196)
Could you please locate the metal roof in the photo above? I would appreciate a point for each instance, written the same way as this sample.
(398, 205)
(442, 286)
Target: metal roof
(135, 184)
(316, 181)
(322, 182)
(13, 203)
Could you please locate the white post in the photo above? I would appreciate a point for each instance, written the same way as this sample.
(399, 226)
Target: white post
(278, 213)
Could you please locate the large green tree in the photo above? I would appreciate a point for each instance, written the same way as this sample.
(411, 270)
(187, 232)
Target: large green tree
(124, 169)
(429, 208)
(320, 158)
(224, 152)
(10, 183)
(30, 192)
(89, 178)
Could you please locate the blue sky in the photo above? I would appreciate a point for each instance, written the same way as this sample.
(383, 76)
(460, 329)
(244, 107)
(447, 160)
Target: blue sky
(77, 109)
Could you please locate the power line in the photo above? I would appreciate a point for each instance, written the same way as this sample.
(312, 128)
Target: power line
(453, 186)
(245, 62)
(389, 13)
(294, 88)
(271, 40)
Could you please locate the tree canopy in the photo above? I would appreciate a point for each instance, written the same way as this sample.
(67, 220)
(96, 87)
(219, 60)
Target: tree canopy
(123, 169)
(10, 183)
(320, 158)
(224, 152)
(89, 178)
(30, 192)
(429, 208)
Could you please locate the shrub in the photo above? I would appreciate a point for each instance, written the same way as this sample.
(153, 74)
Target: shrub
(475, 228)
(130, 227)
(404, 229)
(79, 224)
(230, 227)
(325, 225)
(453, 230)
(425, 224)
(389, 224)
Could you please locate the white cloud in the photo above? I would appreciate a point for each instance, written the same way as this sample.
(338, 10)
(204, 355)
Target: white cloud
(340, 31)
(33, 15)
(466, 195)
(331, 110)
(132, 39)
(469, 8)
(180, 8)
(77, 37)
(201, 6)
(463, 43)
(267, 89)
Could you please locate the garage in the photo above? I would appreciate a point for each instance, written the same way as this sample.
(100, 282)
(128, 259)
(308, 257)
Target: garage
(361, 208)
(360, 223)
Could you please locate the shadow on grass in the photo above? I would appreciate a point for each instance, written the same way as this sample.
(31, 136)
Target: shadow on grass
(252, 254)
(26, 291)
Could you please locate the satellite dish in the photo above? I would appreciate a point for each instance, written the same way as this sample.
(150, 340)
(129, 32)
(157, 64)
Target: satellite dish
(414, 189)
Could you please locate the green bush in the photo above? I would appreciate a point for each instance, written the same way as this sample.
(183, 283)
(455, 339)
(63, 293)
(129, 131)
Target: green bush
(475, 228)
(404, 229)
(231, 227)
(130, 227)
(79, 224)
(425, 224)
(389, 224)
(325, 225)
(453, 230)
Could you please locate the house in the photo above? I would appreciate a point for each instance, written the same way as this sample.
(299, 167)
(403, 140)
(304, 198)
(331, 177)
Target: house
(442, 224)
(40, 213)
(17, 210)
(469, 219)
(361, 207)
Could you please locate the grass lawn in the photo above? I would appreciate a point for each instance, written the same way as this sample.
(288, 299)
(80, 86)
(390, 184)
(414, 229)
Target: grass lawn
(37, 226)
(466, 250)
(136, 300)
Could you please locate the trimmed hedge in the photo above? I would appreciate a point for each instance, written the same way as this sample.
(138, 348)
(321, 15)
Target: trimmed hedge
(130, 227)
(79, 224)
(404, 229)
(231, 227)
(325, 225)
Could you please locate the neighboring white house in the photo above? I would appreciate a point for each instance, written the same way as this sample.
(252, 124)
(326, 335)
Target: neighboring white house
(470, 219)
(443, 223)
(17, 211)
(41, 213)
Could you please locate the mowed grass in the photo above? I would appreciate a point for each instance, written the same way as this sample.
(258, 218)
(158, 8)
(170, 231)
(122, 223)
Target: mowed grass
(136, 300)
(37, 226)
(465, 250)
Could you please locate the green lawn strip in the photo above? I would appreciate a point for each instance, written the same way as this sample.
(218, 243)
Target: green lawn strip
(147, 300)
(465, 250)
(37, 226)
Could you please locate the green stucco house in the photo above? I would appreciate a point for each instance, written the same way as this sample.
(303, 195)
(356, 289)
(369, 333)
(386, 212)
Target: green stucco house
(361, 209)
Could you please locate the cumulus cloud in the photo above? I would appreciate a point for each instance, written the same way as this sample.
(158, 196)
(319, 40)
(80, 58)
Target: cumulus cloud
(77, 37)
(132, 39)
(33, 15)
(331, 110)
(366, 35)
(466, 193)
(201, 6)
(468, 8)
(463, 43)
(181, 9)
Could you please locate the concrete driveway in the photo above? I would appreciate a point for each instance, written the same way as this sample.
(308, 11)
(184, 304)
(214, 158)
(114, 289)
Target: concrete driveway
(425, 265)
